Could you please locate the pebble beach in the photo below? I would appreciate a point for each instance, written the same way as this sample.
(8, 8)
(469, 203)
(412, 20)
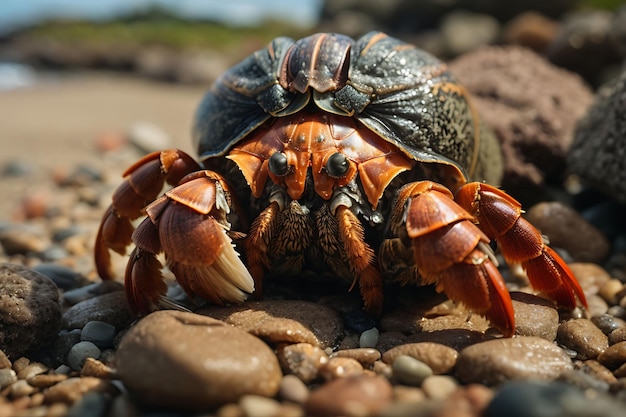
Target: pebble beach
(70, 346)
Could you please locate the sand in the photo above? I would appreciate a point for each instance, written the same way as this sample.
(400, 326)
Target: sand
(55, 124)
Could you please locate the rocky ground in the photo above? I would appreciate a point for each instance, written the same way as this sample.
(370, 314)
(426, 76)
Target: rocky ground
(71, 346)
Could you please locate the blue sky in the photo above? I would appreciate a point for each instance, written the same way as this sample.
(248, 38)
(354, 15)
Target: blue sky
(14, 13)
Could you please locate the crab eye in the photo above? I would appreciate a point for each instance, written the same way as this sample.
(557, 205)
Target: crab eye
(278, 164)
(337, 165)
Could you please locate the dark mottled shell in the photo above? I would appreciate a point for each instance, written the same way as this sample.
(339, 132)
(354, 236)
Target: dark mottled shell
(400, 92)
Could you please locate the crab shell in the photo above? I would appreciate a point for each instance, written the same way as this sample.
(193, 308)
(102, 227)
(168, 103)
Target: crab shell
(401, 93)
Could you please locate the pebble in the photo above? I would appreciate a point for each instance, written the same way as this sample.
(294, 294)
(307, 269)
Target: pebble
(607, 323)
(196, 380)
(365, 356)
(73, 389)
(258, 406)
(110, 308)
(33, 368)
(440, 359)
(7, 377)
(534, 316)
(610, 289)
(302, 359)
(582, 241)
(583, 337)
(293, 389)
(369, 338)
(550, 399)
(497, 361)
(410, 371)
(614, 356)
(590, 275)
(617, 335)
(30, 311)
(352, 396)
(439, 387)
(283, 321)
(79, 353)
(22, 241)
(99, 333)
(64, 277)
(339, 367)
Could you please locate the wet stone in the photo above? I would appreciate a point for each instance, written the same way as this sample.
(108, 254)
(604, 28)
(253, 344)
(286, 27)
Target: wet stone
(583, 337)
(353, 396)
(196, 379)
(520, 358)
(591, 276)
(607, 323)
(534, 316)
(440, 358)
(30, 311)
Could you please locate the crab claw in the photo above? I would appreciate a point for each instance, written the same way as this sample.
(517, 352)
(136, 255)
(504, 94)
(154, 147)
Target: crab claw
(499, 216)
(188, 224)
(453, 253)
(143, 182)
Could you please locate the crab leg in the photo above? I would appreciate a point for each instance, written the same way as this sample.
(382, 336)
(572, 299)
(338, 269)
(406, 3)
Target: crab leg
(257, 244)
(499, 216)
(361, 259)
(142, 184)
(451, 252)
(188, 224)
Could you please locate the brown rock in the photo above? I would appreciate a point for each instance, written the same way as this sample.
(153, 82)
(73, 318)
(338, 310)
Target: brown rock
(283, 321)
(583, 337)
(519, 358)
(534, 316)
(302, 359)
(614, 356)
(30, 311)
(531, 105)
(617, 335)
(567, 229)
(205, 362)
(358, 395)
(440, 358)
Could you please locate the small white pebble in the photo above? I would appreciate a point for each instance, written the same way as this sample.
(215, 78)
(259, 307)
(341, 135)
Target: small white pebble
(369, 338)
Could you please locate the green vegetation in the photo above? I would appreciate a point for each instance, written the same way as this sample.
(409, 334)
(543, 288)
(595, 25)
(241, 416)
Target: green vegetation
(163, 30)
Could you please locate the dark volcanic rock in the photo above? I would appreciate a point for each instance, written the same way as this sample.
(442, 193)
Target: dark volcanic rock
(30, 311)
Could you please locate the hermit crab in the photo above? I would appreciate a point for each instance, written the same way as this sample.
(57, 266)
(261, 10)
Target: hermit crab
(360, 158)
